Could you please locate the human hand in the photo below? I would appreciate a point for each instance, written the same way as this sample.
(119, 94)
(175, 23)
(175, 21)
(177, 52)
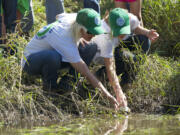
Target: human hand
(120, 103)
(123, 107)
(121, 98)
(83, 42)
(153, 35)
(114, 102)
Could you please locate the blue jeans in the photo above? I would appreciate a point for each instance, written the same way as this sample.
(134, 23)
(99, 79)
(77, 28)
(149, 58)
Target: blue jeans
(9, 10)
(122, 58)
(87, 54)
(53, 7)
(94, 4)
(45, 63)
(136, 41)
(48, 62)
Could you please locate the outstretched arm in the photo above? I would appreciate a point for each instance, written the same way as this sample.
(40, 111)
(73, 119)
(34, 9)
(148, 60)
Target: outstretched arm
(83, 69)
(114, 81)
(151, 34)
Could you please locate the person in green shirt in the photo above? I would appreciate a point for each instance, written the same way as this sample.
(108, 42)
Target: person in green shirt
(25, 15)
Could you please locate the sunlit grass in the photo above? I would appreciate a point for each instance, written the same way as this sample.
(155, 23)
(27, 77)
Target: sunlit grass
(163, 15)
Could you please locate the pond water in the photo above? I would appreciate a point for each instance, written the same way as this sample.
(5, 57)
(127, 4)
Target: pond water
(134, 124)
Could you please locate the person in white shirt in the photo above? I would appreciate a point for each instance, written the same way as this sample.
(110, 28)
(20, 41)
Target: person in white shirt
(119, 26)
(138, 37)
(57, 43)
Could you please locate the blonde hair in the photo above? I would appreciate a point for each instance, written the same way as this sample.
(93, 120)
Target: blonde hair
(76, 31)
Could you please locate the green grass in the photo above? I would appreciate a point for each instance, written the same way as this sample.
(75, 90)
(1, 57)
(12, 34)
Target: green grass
(156, 84)
(163, 15)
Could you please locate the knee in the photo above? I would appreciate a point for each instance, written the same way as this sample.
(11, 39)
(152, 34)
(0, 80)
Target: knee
(146, 44)
(53, 58)
(93, 48)
(88, 50)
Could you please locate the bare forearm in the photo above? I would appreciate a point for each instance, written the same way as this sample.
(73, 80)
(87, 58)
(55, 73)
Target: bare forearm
(151, 34)
(141, 31)
(97, 84)
(112, 76)
(111, 72)
(83, 69)
(114, 81)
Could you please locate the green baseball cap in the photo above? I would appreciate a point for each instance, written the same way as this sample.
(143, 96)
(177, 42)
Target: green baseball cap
(90, 19)
(119, 22)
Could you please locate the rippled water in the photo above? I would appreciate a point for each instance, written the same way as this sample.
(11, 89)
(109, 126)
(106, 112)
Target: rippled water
(135, 124)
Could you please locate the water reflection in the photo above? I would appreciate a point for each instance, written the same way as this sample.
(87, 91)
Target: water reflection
(105, 125)
(119, 128)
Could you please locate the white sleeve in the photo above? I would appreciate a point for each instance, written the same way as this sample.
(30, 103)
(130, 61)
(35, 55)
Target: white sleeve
(134, 22)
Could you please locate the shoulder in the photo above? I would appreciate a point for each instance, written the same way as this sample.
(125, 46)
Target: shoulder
(134, 22)
(133, 18)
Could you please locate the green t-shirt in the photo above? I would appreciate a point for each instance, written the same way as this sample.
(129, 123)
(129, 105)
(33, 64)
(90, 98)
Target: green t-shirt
(23, 6)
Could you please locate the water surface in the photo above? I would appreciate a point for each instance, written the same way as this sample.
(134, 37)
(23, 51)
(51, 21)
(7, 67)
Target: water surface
(134, 124)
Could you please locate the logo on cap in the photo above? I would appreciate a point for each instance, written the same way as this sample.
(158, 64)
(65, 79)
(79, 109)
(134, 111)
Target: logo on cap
(120, 21)
(97, 21)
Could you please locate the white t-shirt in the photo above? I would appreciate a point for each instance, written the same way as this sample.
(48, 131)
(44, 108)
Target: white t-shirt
(56, 36)
(106, 43)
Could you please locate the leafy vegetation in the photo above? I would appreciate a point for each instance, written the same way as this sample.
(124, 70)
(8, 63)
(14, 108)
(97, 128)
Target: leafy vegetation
(163, 15)
(156, 85)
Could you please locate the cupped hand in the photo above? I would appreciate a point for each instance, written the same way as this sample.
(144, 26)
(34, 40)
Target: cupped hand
(119, 103)
(153, 35)
(121, 98)
(114, 102)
